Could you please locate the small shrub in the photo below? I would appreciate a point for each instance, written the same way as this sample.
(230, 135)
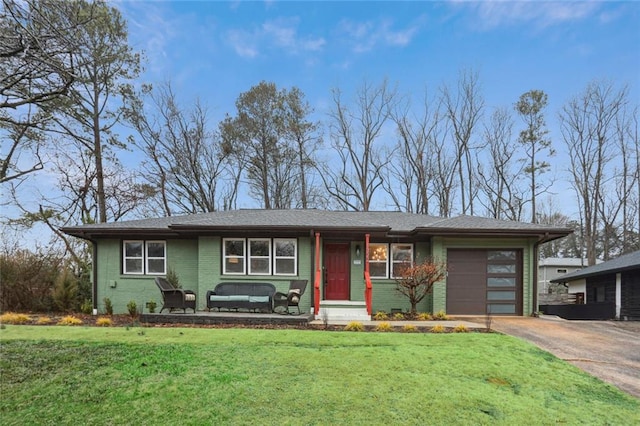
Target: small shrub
(440, 315)
(384, 327)
(424, 316)
(44, 320)
(460, 328)
(151, 306)
(104, 322)
(398, 316)
(438, 329)
(86, 307)
(132, 308)
(410, 328)
(108, 306)
(173, 278)
(381, 316)
(13, 318)
(70, 320)
(354, 326)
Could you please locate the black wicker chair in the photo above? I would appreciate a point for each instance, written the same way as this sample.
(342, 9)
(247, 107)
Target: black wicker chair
(292, 298)
(175, 298)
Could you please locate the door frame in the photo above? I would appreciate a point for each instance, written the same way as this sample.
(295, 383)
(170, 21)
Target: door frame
(347, 252)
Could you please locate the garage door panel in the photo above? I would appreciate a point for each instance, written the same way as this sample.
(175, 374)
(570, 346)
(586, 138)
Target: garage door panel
(484, 281)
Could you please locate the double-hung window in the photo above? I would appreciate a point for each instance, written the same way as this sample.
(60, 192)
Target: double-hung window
(260, 256)
(144, 257)
(383, 265)
(234, 256)
(285, 256)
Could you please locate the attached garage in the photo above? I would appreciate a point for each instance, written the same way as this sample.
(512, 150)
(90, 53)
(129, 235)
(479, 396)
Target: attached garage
(480, 282)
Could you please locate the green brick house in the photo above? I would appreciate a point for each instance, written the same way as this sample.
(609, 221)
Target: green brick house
(492, 264)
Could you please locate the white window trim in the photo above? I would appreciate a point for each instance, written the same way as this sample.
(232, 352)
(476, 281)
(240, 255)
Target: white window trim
(147, 257)
(385, 262)
(225, 257)
(144, 258)
(125, 257)
(249, 256)
(393, 262)
(294, 257)
(389, 263)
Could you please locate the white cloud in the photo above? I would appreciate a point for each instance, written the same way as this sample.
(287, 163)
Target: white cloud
(366, 36)
(279, 33)
(492, 14)
(243, 43)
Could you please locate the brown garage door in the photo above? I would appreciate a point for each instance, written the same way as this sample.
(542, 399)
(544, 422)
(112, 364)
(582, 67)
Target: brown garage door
(484, 281)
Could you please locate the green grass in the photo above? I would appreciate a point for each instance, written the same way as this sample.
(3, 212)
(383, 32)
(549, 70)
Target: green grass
(100, 376)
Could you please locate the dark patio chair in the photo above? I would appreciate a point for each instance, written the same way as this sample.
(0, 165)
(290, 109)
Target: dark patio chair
(175, 298)
(292, 298)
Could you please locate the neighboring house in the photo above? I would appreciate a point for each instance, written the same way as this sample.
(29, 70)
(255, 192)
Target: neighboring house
(613, 285)
(551, 268)
(492, 264)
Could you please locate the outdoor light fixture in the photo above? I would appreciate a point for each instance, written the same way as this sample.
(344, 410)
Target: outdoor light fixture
(358, 250)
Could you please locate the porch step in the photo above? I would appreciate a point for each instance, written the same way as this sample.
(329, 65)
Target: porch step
(343, 310)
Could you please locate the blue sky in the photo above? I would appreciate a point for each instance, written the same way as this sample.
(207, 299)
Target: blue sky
(216, 50)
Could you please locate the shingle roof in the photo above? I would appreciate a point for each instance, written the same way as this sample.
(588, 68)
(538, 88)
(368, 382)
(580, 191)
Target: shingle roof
(389, 222)
(622, 263)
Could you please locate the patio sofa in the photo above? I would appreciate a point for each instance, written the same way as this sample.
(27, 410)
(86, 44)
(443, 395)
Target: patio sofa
(252, 296)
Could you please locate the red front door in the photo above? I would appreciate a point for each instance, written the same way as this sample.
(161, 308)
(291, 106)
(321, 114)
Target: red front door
(336, 271)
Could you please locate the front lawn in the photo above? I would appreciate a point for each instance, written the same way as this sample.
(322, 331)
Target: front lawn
(98, 376)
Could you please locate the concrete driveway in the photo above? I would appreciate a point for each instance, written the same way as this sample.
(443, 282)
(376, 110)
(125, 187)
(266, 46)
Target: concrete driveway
(609, 350)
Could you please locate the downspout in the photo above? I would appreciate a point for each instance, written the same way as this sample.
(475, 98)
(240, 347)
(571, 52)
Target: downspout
(94, 274)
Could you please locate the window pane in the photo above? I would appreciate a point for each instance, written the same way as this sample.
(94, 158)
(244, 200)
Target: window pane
(495, 308)
(285, 248)
(259, 266)
(234, 265)
(133, 249)
(285, 266)
(402, 252)
(501, 269)
(234, 247)
(501, 295)
(155, 266)
(501, 255)
(377, 252)
(400, 268)
(259, 248)
(501, 282)
(378, 270)
(155, 249)
(133, 266)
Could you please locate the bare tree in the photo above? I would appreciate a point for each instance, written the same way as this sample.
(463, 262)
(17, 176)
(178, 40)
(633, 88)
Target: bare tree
(184, 158)
(499, 173)
(37, 41)
(417, 281)
(356, 133)
(464, 108)
(413, 172)
(533, 138)
(588, 129)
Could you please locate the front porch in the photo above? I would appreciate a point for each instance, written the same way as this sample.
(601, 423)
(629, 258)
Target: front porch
(233, 318)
